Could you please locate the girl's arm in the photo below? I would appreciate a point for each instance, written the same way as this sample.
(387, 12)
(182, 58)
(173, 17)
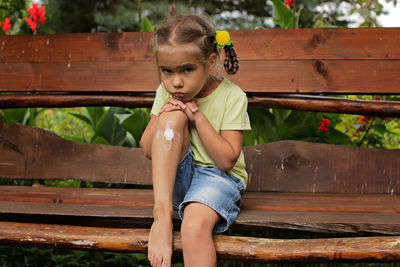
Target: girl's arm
(223, 148)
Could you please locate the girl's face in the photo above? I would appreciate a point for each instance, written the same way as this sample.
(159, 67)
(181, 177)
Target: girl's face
(182, 72)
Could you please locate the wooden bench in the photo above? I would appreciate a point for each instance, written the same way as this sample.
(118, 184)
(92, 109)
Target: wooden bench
(346, 197)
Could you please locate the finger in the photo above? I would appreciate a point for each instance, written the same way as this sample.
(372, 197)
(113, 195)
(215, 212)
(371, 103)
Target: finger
(192, 106)
(181, 104)
(189, 114)
(169, 109)
(172, 101)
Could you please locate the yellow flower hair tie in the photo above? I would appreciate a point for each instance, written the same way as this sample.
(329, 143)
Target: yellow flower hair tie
(222, 39)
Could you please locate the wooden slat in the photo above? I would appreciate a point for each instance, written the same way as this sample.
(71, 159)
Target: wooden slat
(78, 100)
(76, 47)
(337, 223)
(294, 102)
(285, 166)
(327, 104)
(228, 247)
(317, 213)
(272, 76)
(34, 153)
(264, 201)
(295, 61)
(295, 166)
(366, 43)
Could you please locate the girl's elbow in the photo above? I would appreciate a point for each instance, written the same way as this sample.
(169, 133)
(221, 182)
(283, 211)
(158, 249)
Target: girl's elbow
(146, 149)
(227, 165)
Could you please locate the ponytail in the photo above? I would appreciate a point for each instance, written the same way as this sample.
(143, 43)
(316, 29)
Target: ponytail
(231, 63)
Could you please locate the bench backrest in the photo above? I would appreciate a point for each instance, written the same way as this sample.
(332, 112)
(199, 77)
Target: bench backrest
(118, 69)
(333, 61)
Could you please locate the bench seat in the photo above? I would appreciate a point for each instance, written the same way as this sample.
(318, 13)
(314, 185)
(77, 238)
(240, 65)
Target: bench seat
(323, 214)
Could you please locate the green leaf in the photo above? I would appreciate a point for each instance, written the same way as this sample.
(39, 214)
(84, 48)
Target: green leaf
(297, 17)
(100, 124)
(82, 118)
(16, 115)
(336, 137)
(95, 113)
(380, 128)
(112, 131)
(133, 123)
(100, 140)
(281, 15)
(146, 25)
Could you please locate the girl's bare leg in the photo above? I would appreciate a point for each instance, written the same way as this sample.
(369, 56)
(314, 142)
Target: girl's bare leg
(169, 145)
(196, 233)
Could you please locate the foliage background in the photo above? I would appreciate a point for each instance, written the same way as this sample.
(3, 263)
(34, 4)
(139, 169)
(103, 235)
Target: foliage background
(121, 126)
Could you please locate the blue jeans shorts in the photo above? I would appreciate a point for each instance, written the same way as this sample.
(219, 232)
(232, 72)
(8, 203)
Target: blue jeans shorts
(210, 186)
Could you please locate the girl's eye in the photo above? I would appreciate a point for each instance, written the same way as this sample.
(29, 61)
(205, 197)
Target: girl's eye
(188, 70)
(165, 71)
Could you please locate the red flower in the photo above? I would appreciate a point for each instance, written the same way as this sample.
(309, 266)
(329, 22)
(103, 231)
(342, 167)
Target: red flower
(37, 17)
(6, 25)
(289, 3)
(324, 127)
(365, 119)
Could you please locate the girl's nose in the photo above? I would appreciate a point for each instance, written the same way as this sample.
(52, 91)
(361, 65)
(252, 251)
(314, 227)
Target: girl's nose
(177, 82)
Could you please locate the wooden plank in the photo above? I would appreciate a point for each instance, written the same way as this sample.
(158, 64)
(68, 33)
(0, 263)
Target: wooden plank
(268, 76)
(228, 247)
(364, 43)
(34, 153)
(295, 166)
(337, 223)
(75, 100)
(294, 102)
(285, 166)
(76, 47)
(264, 201)
(327, 104)
(316, 213)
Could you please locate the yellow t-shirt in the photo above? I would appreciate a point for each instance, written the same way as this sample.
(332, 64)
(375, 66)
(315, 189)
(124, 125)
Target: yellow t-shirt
(226, 109)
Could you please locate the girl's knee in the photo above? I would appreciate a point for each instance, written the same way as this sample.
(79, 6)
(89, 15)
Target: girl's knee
(198, 223)
(172, 130)
(176, 119)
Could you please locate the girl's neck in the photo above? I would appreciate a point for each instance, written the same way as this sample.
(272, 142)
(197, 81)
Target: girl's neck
(209, 86)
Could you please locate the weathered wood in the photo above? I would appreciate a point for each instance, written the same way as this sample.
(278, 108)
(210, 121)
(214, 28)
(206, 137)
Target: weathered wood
(264, 201)
(272, 76)
(285, 166)
(295, 166)
(327, 104)
(228, 247)
(317, 213)
(339, 43)
(295, 102)
(78, 100)
(34, 153)
(297, 61)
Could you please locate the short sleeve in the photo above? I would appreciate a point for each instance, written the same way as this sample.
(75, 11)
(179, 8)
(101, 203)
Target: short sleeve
(235, 115)
(159, 101)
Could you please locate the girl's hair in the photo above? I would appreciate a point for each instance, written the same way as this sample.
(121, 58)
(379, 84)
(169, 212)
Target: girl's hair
(184, 29)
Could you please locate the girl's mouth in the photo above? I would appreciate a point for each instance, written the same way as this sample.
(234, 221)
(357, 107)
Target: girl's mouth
(179, 95)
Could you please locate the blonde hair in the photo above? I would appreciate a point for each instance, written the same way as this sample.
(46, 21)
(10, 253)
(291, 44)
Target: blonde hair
(190, 28)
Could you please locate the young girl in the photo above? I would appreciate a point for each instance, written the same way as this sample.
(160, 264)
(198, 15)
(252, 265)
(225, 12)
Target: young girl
(194, 139)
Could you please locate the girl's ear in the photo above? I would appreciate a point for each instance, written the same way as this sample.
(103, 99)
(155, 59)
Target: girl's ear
(212, 61)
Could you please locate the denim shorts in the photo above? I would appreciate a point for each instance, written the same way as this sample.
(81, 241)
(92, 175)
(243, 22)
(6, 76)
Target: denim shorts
(210, 186)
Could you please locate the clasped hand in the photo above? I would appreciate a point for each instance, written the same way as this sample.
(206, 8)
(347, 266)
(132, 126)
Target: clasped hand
(190, 108)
